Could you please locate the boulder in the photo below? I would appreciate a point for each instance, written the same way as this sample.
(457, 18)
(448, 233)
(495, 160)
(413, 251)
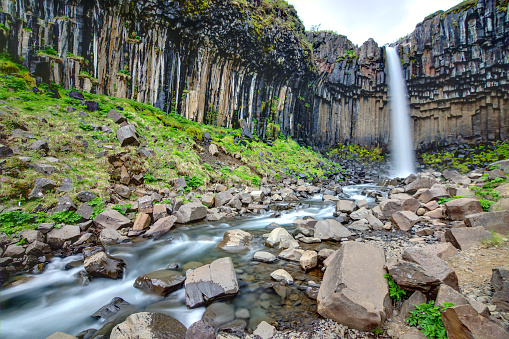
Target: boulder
(39, 145)
(41, 186)
(282, 276)
(422, 181)
(191, 211)
(361, 213)
(149, 326)
(404, 220)
(408, 305)
(345, 206)
(457, 209)
(116, 308)
(264, 330)
(142, 221)
(495, 174)
(434, 193)
(32, 235)
(162, 282)
(443, 250)
(291, 254)
(85, 196)
(38, 248)
(208, 200)
(235, 240)
(500, 284)
(447, 294)
(222, 198)
(146, 204)
(14, 251)
(58, 236)
(127, 136)
(102, 265)
(160, 227)
(325, 253)
(213, 150)
(374, 222)
(85, 211)
(116, 117)
(44, 168)
(218, 314)
(493, 221)
(465, 238)
(331, 229)
(359, 225)
(308, 260)
(280, 237)
(354, 291)
(264, 257)
(501, 205)
(200, 329)
(389, 207)
(412, 277)
(64, 204)
(111, 219)
(464, 322)
(210, 282)
(160, 211)
(110, 236)
(5, 152)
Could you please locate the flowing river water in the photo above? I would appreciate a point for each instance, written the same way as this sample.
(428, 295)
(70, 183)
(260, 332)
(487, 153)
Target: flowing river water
(56, 300)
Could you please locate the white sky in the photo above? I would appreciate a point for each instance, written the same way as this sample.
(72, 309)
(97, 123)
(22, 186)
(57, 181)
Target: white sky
(385, 21)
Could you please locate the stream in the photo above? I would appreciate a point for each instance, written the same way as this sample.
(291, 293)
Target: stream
(57, 301)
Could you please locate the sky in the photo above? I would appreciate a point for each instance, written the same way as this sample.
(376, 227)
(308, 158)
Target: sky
(385, 21)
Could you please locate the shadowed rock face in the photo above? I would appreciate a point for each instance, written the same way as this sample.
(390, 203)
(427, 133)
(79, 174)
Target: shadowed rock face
(217, 61)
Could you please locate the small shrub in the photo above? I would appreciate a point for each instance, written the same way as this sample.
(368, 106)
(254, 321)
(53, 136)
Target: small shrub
(86, 127)
(96, 202)
(486, 204)
(194, 181)
(149, 178)
(428, 318)
(66, 217)
(14, 221)
(395, 292)
(195, 133)
(122, 209)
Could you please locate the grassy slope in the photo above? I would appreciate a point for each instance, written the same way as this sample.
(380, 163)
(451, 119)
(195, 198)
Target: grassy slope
(175, 141)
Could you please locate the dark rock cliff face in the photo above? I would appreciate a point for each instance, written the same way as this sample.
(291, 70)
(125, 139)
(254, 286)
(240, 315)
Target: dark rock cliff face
(219, 62)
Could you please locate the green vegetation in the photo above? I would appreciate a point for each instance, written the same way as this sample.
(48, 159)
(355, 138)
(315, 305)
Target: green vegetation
(356, 152)
(427, 317)
(495, 241)
(66, 217)
(122, 209)
(442, 201)
(395, 292)
(98, 205)
(15, 221)
(49, 52)
(462, 6)
(86, 75)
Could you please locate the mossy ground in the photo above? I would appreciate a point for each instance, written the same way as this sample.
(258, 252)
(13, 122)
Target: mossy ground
(175, 142)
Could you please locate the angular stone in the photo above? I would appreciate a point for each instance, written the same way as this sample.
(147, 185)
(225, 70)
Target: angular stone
(32, 235)
(446, 294)
(374, 222)
(5, 152)
(149, 326)
(14, 251)
(41, 186)
(85, 196)
(389, 207)
(345, 206)
(291, 254)
(61, 335)
(200, 329)
(457, 209)
(466, 238)
(146, 204)
(404, 220)
(308, 260)
(464, 322)
(210, 282)
(208, 200)
(354, 291)
(102, 265)
(443, 251)
(85, 211)
(325, 253)
(280, 237)
(142, 221)
(111, 219)
(191, 211)
(162, 282)
(116, 116)
(123, 191)
(422, 181)
(500, 284)
(361, 213)
(493, 221)
(412, 277)
(67, 185)
(160, 227)
(264, 330)
(495, 174)
(222, 198)
(218, 314)
(359, 225)
(235, 240)
(44, 168)
(417, 298)
(58, 236)
(113, 310)
(39, 145)
(434, 193)
(330, 229)
(264, 257)
(282, 276)
(213, 150)
(38, 248)
(109, 236)
(127, 136)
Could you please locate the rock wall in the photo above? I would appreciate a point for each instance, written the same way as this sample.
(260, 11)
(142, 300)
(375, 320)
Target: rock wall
(219, 62)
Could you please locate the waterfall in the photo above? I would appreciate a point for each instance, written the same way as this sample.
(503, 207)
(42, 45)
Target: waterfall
(402, 153)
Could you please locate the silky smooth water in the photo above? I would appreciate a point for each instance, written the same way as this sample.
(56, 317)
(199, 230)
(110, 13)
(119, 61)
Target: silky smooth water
(56, 301)
(402, 150)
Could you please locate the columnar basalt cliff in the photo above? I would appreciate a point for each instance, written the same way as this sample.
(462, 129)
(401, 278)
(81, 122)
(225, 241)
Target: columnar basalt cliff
(224, 61)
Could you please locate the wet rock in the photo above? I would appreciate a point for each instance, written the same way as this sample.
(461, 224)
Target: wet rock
(191, 211)
(312, 292)
(102, 265)
(111, 219)
(493, 221)
(464, 322)
(466, 238)
(149, 326)
(235, 240)
(308, 260)
(330, 229)
(200, 329)
(291, 254)
(415, 299)
(280, 237)
(457, 209)
(404, 220)
(264, 257)
(265, 330)
(142, 221)
(235, 326)
(210, 282)
(160, 227)
(58, 236)
(282, 276)
(127, 136)
(354, 291)
(218, 314)
(41, 186)
(114, 309)
(162, 282)
(116, 117)
(345, 206)
(500, 284)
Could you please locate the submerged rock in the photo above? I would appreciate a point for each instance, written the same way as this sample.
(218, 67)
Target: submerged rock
(102, 265)
(162, 282)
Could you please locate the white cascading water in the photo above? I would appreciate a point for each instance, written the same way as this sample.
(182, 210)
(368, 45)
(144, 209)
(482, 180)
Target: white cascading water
(402, 152)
